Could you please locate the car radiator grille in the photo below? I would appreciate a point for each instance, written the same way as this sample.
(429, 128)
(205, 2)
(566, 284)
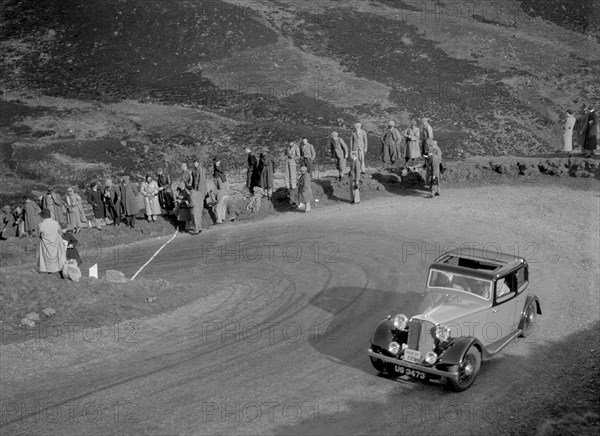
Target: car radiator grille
(421, 336)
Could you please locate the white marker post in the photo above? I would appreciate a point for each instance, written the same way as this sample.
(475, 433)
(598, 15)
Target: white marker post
(93, 271)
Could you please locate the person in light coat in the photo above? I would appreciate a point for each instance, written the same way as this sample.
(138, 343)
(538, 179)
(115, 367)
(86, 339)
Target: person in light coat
(75, 215)
(412, 135)
(292, 155)
(150, 192)
(359, 142)
(568, 132)
(53, 250)
(305, 193)
(435, 160)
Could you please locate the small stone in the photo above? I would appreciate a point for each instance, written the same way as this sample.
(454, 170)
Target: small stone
(32, 316)
(115, 276)
(48, 311)
(28, 322)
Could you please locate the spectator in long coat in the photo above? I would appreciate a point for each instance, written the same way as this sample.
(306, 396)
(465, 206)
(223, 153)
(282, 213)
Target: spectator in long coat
(53, 251)
(150, 190)
(183, 208)
(31, 216)
(305, 193)
(435, 160)
(198, 177)
(412, 135)
(75, 215)
(589, 130)
(307, 151)
(8, 227)
(568, 132)
(359, 142)
(292, 155)
(130, 207)
(354, 178)
(339, 151)
(111, 199)
(266, 168)
(390, 146)
(95, 199)
(165, 196)
(52, 201)
(426, 134)
(186, 175)
(252, 174)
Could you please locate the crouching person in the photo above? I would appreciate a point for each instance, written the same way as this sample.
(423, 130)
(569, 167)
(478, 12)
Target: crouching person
(218, 200)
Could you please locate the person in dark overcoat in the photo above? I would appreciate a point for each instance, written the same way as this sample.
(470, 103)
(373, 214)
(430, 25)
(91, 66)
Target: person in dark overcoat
(31, 217)
(588, 127)
(72, 243)
(266, 167)
(95, 199)
(219, 176)
(252, 174)
(354, 177)
(54, 203)
(165, 195)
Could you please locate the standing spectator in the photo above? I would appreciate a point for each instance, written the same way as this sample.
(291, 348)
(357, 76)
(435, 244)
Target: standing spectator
(75, 215)
(94, 198)
(219, 176)
(252, 174)
(412, 141)
(218, 200)
(568, 132)
(292, 154)
(150, 192)
(52, 248)
(183, 208)
(165, 196)
(186, 175)
(266, 167)
(111, 198)
(31, 217)
(72, 243)
(308, 153)
(426, 135)
(18, 214)
(52, 201)
(196, 202)
(7, 223)
(589, 130)
(305, 193)
(435, 160)
(198, 177)
(354, 178)
(339, 151)
(391, 146)
(130, 207)
(359, 143)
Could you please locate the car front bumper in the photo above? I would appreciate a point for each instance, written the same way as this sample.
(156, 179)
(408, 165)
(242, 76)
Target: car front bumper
(403, 363)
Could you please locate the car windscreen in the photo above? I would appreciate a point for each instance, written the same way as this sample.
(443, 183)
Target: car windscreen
(441, 279)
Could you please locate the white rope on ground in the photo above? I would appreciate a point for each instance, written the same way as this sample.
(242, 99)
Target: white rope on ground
(154, 255)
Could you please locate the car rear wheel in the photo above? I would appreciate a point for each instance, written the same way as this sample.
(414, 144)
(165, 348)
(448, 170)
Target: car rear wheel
(467, 370)
(529, 320)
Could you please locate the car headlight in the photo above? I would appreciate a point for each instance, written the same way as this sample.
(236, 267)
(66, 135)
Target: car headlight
(400, 321)
(394, 347)
(442, 332)
(431, 357)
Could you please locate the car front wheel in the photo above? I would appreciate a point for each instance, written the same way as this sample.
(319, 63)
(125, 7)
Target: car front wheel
(467, 370)
(529, 321)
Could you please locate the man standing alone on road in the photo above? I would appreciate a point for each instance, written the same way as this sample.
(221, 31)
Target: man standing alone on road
(292, 154)
(354, 178)
(305, 194)
(359, 143)
(339, 150)
(307, 151)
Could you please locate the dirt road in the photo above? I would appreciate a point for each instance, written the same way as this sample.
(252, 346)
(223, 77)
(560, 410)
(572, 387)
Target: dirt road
(280, 345)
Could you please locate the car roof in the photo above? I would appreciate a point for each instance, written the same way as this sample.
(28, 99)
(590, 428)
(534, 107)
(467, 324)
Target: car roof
(494, 264)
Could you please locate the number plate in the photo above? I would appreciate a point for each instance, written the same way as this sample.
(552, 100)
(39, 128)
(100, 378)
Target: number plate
(413, 356)
(410, 372)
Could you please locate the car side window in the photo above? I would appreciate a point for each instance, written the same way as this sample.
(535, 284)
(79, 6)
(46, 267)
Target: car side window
(501, 288)
(522, 278)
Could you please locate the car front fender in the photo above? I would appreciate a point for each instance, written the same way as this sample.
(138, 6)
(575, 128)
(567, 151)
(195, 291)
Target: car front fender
(454, 354)
(382, 336)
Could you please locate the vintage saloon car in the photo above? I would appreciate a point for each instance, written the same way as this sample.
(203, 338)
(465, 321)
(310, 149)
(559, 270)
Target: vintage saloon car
(474, 304)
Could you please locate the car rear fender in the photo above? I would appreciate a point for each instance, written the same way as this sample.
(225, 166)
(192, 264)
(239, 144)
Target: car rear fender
(454, 354)
(530, 299)
(382, 336)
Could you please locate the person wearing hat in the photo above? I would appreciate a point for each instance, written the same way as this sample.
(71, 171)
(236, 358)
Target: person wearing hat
(52, 201)
(31, 216)
(266, 167)
(589, 130)
(252, 174)
(219, 176)
(292, 155)
(354, 178)
(359, 143)
(75, 215)
(390, 146)
(165, 196)
(426, 135)
(568, 131)
(95, 199)
(129, 204)
(53, 251)
(339, 151)
(412, 135)
(305, 193)
(150, 190)
(198, 177)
